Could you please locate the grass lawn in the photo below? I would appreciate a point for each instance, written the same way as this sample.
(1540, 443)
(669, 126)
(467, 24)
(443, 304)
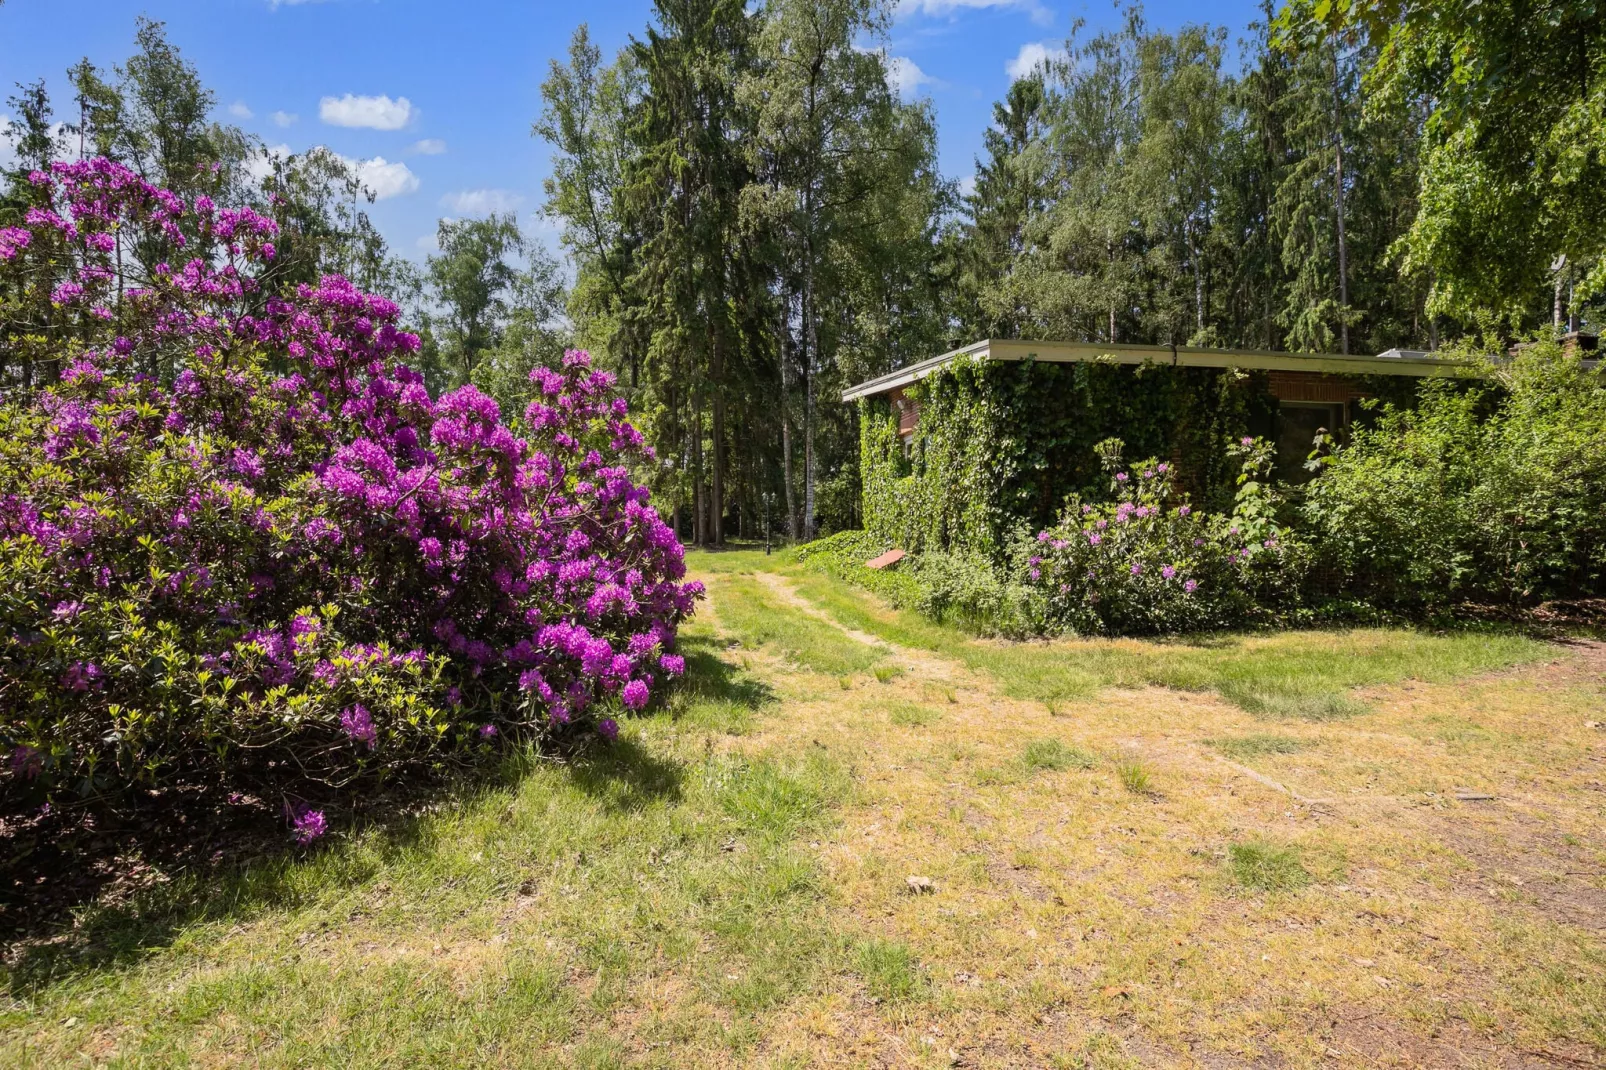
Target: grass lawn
(856, 838)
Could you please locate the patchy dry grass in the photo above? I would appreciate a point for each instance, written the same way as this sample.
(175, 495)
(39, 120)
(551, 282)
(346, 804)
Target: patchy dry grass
(731, 885)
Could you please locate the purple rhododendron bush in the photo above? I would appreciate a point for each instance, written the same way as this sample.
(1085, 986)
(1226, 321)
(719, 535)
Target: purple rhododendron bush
(241, 545)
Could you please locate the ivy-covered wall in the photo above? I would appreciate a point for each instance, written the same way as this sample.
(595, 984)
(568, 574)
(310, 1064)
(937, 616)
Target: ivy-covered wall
(1001, 445)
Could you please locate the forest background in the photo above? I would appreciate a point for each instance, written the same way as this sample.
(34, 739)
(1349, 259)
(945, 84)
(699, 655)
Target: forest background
(753, 216)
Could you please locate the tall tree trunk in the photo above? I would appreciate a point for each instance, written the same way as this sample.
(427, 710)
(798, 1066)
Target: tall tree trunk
(1338, 206)
(786, 419)
(717, 498)
(1558, 268)
(1198, 288)
(699, 497)
(811, 341)
(1109, 255)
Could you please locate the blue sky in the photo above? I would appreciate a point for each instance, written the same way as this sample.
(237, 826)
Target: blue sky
(437, 98)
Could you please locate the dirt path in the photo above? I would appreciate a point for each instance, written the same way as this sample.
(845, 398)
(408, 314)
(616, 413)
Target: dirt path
(1073, 921)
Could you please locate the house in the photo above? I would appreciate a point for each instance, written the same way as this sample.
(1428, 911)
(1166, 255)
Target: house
(958, 450)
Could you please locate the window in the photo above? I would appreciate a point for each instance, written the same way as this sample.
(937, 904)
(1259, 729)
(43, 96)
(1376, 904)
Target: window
(1297, 425)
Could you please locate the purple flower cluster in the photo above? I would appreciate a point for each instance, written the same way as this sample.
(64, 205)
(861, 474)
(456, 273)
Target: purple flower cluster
(307, 825)
(321, 545)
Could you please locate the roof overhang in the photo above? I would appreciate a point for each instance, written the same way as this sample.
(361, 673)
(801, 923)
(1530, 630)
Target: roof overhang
(1394, 362)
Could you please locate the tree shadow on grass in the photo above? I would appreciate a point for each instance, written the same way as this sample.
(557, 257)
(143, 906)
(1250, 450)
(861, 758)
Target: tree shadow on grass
(625, 776)
(101, 892)
(82, 891)
(710, 678)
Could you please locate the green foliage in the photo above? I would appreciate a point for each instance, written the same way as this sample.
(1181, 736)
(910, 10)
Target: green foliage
(1149, 562)
(1137, 191)
(1513, 177)
(496, 319)
(1491, 490)
(1134, 776)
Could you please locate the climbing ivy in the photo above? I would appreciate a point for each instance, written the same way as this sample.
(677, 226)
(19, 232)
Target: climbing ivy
(999, 446)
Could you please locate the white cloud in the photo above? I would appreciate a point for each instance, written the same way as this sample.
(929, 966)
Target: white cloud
(11, 132)
(947, 8)
(428, 243)
(482, 201)
(374, 113)
(260, 166)
(240, 110)
(967, 186)
(905, 77)
(430, 146)
(1033, 56)
(384, 179)
(282, 119)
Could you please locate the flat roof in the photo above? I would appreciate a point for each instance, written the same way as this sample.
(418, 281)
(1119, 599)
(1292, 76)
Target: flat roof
(1394, 362)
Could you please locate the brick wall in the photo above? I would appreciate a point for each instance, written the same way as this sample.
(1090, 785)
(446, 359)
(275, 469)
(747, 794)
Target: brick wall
(1312, 386)
(908, 412)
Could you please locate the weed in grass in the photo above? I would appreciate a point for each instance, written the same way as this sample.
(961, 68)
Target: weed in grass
(1100, 1051)
(911, 714)
(1242, 747)
(846, 682)
(1134, 776)
(1052, 753)
(889, 970)
(887, 673)
(777, 800)
(1267, 867)
(1293, 705)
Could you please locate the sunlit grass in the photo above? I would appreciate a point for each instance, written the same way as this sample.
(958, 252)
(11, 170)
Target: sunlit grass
(1298, 675)
(751, 613)
(1257, 746)
(1266, 867)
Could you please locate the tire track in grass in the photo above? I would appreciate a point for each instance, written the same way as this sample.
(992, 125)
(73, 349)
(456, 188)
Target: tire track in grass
(750, 612)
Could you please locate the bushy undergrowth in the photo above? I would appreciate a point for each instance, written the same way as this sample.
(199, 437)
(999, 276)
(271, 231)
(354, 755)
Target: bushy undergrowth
(1495, 492)
(288, 563)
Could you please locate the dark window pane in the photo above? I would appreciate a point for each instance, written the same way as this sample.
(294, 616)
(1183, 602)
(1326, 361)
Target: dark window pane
(1296, 435)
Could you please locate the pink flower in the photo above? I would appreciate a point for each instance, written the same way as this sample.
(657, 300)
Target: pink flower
(608, 729)
(635, 694)
(308, 826)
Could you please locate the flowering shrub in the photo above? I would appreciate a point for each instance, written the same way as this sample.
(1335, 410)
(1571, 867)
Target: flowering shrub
(289, 561)
(1148, 562)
